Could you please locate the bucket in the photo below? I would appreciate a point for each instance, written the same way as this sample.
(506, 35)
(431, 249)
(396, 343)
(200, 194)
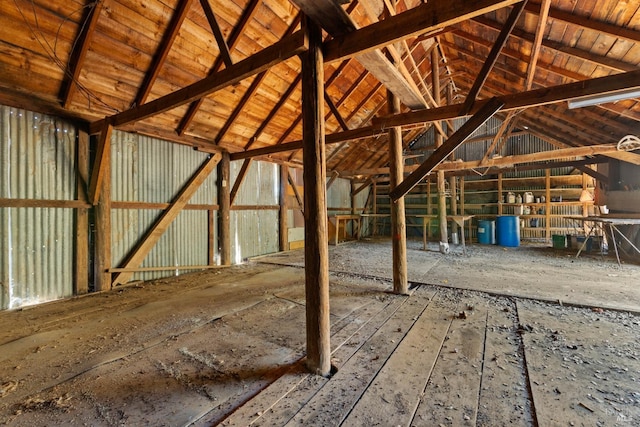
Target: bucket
(559, 241)
(508, 230)
(486, 232)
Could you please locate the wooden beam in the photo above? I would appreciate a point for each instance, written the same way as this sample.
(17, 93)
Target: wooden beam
(498, 136)
(493, 56)
(224, 211)
(142, 249)
(247, 14)
(398, 220)
(337, 22)
(477, 120)
(296, 193)
(421, 19)
(334, 110)
(239, 179)
(225, 53)
(81, 246)
(440, 178)
(79, 53)
(101, 163)
(316, 251)
(623, 32)
(261, 61)
(604, 179)
(102, 264)
(363, 186)
(537, 42)
(334, 176)
(283, 213)
(528, 99)
(163, 51)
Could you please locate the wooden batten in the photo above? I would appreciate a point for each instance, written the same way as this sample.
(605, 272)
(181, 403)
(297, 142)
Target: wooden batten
(81, 247)
(224, 211)
(283, 214)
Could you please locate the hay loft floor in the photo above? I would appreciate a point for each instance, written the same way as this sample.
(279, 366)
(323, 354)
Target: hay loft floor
(532, 336)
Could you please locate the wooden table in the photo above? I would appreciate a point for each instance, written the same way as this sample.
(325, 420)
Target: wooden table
(426, 221)
(599, 222)
(458, 219)
(345, 218)
(375, 220)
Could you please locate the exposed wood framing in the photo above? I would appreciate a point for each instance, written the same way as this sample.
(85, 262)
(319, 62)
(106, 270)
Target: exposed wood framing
(102, 277)
(140, 252)
(501, 131)
(224, 211)
(81, 247)
(477, 120)
(440, 178)
(602, 178)
(163, 51)
(76, 61)
(398, 220)
(225, 53)
(261, 61)
(334, 176)
(283, 214)
(238, 182)
(102, 160)
(316, 251)
(493, 56)
(296, 193)
(537, 42)
(234, 37)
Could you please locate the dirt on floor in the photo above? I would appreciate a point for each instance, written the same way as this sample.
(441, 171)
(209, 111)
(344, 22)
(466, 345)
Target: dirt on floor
(524, 336)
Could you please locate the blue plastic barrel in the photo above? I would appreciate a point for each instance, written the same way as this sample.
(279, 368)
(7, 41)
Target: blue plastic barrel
(508, 230)
(486, 232)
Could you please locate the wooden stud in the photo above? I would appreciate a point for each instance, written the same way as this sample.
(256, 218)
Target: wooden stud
(440, 179)
(81, 264)
(283, 214)
(224, 210)
(296, 193)
(547, 207)
(500, 196)
(102, 161)
(211, 237)
(102, 263)
(398, 220)
(334, 176)
(142, 249)
(316, 249)
(239, 179)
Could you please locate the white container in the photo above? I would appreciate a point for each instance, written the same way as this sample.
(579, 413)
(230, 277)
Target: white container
(519, 210)
(511, 197)
(528, 197)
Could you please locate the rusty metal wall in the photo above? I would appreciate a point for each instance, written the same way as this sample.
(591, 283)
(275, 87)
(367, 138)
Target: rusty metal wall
(37, 161)
(255, 231)
(150, 170)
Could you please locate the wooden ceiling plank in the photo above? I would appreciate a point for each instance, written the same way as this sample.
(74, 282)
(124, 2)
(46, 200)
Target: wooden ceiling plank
(225, 52)
(413, 22)
(626, 33)
(79, 53)
(283, 99)
(537, 42)
(610, 63)
(516, 11)
(253, 88)
(279, 52)
(163, 51)
(442, 152)
(234, 37)
(142, 249)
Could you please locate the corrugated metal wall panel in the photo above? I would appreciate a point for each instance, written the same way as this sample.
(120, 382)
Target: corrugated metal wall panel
(339, 196)
(37, 161)
(150, 170)
(253, 233)
(260, 185)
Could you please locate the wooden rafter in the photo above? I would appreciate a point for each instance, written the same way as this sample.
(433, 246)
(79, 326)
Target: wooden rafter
(225, 53)
(413, 22)
(537, 42)
(478, 119)
(263, 60)
(248, 13)
(140, 252)
(493, 56)
(76, 61)
(335, 112)
(253, 88)
(163, 51)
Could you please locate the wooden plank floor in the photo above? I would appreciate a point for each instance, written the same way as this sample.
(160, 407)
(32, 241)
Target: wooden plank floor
(228, 349)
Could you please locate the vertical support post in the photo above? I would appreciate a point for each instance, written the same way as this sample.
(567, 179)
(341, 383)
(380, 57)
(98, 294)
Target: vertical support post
(375, 207)
(211, 240)
(547, 208)
(224, 209)
(453, 180)
(283, 226)
(398, 220)
(353, 198)
(442, 199)
(316, 249)
(103, 228)
(500, 195)
(81, 279)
